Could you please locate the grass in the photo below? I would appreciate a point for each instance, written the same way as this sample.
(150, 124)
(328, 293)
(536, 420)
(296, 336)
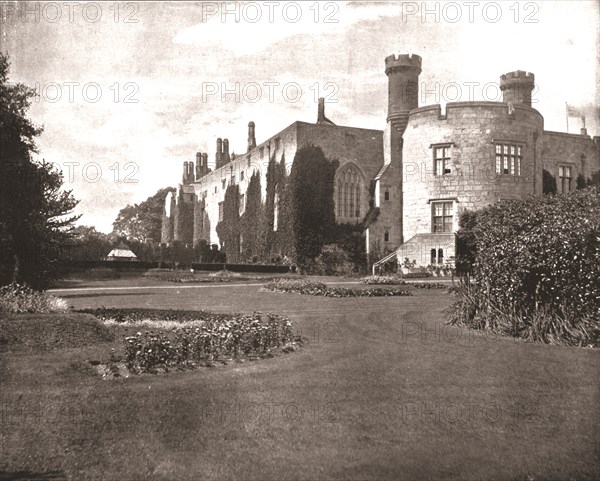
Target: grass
(373, 395)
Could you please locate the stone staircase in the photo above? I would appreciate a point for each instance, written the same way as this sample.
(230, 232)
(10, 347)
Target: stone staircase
(419, 248)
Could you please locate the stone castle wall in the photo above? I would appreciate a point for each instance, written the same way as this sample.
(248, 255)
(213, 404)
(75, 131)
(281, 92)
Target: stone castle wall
(349, 145)
(580, 152)
(472, 130)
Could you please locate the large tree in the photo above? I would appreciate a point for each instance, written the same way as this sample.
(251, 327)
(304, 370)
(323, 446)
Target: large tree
(87, 244)
(142, 222)
(35, 213)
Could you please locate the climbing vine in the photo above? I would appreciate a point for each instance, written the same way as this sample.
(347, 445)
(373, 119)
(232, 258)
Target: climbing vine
(252, 222)
(296, 219)
(310, 203)
(229, 229)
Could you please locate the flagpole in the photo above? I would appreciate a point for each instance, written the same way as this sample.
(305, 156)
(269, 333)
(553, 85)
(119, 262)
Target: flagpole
(567, 115)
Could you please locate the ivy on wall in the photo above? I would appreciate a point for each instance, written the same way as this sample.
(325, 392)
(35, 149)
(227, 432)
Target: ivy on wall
(252, 222)
(311, 207)
(296, 219)
(183, 220)
(229, 229)
(168, 224)
(198, 221)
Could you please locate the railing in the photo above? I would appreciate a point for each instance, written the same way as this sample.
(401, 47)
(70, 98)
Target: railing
(384, 260)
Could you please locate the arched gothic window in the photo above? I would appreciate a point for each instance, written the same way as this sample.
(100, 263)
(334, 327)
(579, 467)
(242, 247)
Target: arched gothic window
(350, 186)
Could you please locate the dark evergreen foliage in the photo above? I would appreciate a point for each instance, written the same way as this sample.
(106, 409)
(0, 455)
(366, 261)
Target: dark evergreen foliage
(35, 213)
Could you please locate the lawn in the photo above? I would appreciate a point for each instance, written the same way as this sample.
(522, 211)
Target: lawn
(381, 390)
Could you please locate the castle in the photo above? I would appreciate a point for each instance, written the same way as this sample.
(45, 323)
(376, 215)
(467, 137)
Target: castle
(420, 173)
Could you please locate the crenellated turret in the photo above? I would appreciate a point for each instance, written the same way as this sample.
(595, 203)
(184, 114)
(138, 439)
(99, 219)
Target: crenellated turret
(517, 86)
(403, 88)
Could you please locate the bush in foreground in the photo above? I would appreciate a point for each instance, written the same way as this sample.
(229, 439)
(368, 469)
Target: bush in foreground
(532, 269)
(16, 298)
(312, 288)
(473, 309)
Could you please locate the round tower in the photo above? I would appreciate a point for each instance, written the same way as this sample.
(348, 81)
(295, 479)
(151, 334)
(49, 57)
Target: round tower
(403, 87)
(516, 87)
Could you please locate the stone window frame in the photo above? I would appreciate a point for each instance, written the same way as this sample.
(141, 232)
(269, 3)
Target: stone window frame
(562, 178)
(444, 160)
(386, 234)
(386, 194)
(223, 184)
(349, 188)
(447, 219)
(241, 176)
(508, 157)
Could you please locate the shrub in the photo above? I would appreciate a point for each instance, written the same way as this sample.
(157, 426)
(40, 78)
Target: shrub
(15, 298)
(333, 261)
(537, 261)
(474, 309)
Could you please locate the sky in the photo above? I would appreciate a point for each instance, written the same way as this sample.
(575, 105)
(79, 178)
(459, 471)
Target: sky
(128, 91)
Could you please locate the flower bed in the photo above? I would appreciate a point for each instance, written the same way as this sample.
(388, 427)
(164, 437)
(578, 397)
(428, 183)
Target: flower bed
(184, 277)
(417, 275)
(429, 285)
(312, 288)
(383, 280)
(200, 339)
(134, 315)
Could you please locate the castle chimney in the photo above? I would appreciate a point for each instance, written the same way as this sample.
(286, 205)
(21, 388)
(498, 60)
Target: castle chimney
(251, 136)
(219, 156)
(583, 131)
(205, 163)
(191, 172)
(184, 179)
(516, 87)
(321, 111)
(199, 172)
(225, 157)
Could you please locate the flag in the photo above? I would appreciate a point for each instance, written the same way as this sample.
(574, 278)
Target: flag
(573, 112)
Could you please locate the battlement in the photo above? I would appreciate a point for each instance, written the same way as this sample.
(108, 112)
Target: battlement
(519, 77)
(403, 61)
(457, 110)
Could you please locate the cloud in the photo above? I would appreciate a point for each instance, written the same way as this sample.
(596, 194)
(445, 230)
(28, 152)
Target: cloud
(259, 25)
